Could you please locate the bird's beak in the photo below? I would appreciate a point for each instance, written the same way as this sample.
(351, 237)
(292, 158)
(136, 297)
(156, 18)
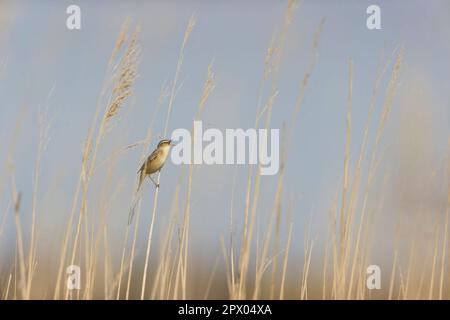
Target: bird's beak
(171, 143)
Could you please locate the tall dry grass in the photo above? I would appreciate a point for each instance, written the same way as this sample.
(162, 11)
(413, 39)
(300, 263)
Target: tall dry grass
(256, 262)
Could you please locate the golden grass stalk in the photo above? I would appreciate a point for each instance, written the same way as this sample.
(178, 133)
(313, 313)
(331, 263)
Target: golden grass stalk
(357, 175)
(163, 280)
(187, 33)
(308, 247)
(272, 64)
(285, 263)
(347, 253)
(181, 269)
(444, 242)
(263, 262)
(343, 244)
(121, 90)
(136, 201)
(44, 126)
(22, 266)
(124, 78)
(121, 81)
(343, 221)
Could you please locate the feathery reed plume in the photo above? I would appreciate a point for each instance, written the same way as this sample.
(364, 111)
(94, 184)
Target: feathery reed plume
(123, 79)
(121, 39)
(208, 87)
(125, 76)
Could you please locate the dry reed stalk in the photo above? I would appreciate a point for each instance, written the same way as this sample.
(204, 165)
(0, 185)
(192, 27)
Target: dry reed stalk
(308, 247)
(303, 84)
(132, 254)
(229, 268)
(275, 217)
(122, 82)
(8, 286)
(122, 262)
(393, 273)
(163, 277)
(346, 221)
(368, 242)
(85, 155)
(5, 216)
(324, 272)
(229, 258)
(120, 41)
(409, 270)
(43, 139)
(271, 67)
(334, 244)
(187, 33)
(285, 262)
(355, 185)
(261, 266)
(181, 270)
(434, 263)
(268, 107)
(278, 209)
(343, 233)
(106, 279)
(16, 197)
(278, 50)
(145, 148)
(121, 90)
(395, 258)
(298, 103)
(10, 150)
(93, 251)
(211, 278)
(444, 241)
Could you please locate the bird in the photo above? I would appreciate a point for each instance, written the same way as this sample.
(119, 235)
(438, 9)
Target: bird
(154, 162)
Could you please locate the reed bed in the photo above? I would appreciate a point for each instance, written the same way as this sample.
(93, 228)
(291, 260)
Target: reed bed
(256, 261)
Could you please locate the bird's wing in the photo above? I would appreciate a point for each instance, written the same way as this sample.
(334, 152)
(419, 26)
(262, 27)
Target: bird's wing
(150, 158)
(154, 155)
(142, 171)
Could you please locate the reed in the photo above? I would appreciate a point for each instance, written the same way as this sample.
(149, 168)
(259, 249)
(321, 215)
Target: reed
(261, 255)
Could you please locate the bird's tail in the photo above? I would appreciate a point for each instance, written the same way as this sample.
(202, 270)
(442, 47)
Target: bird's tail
(141, 179)
(141, 173)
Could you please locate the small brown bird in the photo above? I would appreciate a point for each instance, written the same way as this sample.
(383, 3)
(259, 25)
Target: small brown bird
(154, 162)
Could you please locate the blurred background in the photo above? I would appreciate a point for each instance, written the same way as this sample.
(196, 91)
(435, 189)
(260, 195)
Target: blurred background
(51, 79)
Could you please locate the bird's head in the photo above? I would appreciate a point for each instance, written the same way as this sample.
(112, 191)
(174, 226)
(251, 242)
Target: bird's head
(165, 143)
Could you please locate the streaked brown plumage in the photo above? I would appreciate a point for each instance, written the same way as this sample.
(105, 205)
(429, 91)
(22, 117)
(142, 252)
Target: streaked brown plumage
(154, 162)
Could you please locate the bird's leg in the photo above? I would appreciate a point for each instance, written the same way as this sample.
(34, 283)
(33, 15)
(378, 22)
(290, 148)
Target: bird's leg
(156, 184)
